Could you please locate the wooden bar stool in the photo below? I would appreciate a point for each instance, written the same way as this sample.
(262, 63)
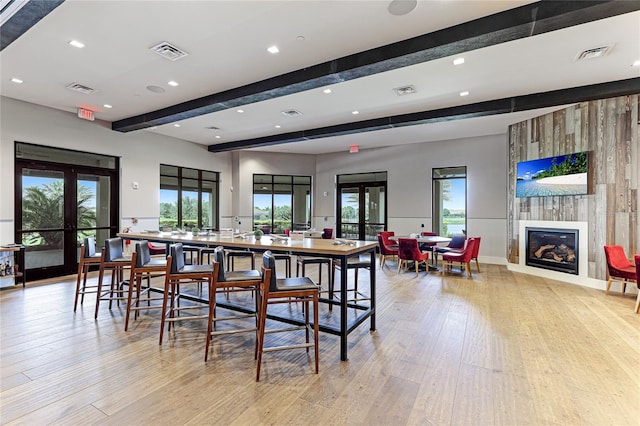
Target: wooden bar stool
(113, 259)
(232, 254)
(227, 282)
(143, 266)
(303, 261)
(88, 257)
(177, 274)
(356, 263)
(273, 291)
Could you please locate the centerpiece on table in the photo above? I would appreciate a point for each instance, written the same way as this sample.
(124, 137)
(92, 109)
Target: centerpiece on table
(258, 234)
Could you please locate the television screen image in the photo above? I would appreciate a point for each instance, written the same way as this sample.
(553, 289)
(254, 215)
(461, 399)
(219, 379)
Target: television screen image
(559, 175)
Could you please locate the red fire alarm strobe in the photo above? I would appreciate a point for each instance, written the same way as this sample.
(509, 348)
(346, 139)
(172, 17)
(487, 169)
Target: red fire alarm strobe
(353, 149)
(85, 114)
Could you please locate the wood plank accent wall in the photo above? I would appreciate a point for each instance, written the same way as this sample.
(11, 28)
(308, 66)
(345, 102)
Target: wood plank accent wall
(609, 130)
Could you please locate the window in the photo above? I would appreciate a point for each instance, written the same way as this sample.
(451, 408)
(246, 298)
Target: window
(281, 202)
(450, 200)
(188, 198)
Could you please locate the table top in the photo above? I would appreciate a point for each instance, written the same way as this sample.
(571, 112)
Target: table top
(424, 238)
(267, 242)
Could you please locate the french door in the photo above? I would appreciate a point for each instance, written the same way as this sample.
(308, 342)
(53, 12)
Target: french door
(362, 210)
(56, 207)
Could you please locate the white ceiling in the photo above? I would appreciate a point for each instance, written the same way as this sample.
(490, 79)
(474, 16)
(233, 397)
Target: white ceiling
(227, 42)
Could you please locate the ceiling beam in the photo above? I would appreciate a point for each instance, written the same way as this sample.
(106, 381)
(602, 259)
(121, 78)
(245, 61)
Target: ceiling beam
(525, 21)
(23, 18)
(480, 109)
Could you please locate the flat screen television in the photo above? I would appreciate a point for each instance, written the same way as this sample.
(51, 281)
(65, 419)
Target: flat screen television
(559, 175)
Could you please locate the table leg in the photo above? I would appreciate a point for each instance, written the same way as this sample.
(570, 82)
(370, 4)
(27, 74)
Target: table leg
(343, 308)
(372, 290)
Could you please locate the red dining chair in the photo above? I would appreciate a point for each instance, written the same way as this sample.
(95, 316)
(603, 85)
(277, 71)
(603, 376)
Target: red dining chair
(464, 256)
(408, 250)
(385, 251)
(637, 262)
(390, 244)
(327, 233)
(476, 250)
(618, 267)
(455, 245)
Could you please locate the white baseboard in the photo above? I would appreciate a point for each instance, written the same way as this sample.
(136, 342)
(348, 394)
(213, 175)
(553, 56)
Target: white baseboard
(560, 276)
(492, 260)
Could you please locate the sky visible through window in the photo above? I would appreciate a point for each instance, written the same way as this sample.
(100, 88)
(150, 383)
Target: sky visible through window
(457, 195)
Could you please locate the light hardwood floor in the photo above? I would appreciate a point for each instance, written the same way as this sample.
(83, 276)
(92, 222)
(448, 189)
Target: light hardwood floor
(501, 349)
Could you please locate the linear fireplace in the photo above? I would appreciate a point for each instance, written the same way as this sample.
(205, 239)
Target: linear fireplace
(552, 248)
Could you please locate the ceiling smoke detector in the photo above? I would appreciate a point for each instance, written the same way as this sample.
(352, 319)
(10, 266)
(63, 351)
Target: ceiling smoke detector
(213, 128)
(595, 52)
(291, 113)
(405, 90)
(168, 51)
(81, 88)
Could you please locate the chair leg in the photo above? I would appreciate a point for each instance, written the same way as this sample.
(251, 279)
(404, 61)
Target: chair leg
(477, 265)
(638, 302)
(212, 308)
(164, 308)
(468, 268)
(415, 262)
(608, 285)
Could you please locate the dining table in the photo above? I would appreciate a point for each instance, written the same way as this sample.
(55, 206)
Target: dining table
(351, 314)
(426, 239)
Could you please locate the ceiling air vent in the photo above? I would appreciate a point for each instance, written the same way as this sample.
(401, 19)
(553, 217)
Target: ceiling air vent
(291, 113)
(80, 88)
(596, 52)
(168, 51)
(405, 90)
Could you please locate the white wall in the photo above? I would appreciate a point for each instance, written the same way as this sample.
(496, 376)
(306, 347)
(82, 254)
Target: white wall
(408, 167)
(408, 170)
(141, 153)
(252, 162)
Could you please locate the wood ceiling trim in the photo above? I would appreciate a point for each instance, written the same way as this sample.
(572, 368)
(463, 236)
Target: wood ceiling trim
(480, 109)
(525, 21)
(25, 18)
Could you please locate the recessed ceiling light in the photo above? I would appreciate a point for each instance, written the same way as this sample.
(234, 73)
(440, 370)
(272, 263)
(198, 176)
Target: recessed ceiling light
(240, 111)
(107, 106)
(173, 83)
(76, 43)
(458, 61)
(176, 125)
(327, 91)
(218, 136)
(465, 93)
(636, 63)
(16, 80)
(355, 112)
(278, 126)
(273, 49)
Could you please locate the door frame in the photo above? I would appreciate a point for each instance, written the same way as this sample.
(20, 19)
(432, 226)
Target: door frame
(362, 186)
(71, 172)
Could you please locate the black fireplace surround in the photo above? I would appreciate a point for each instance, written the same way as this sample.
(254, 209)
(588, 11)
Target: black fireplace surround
(552, 248)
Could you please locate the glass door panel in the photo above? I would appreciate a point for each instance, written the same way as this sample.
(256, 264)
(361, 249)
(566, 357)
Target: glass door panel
(93, 212)
(43, 218)
(349, 212)
(375, 211)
